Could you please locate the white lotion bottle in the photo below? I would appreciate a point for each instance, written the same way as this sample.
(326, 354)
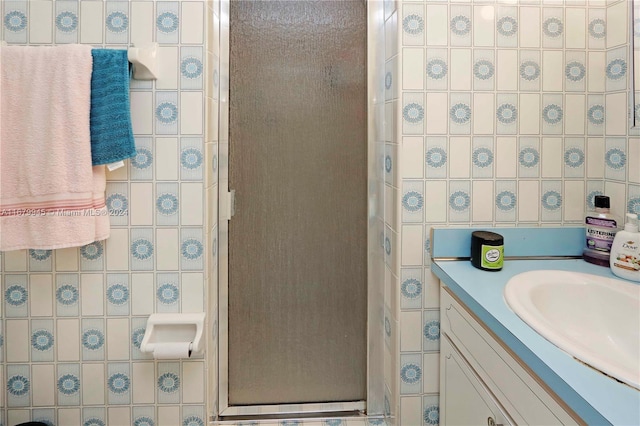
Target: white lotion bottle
(625, 251)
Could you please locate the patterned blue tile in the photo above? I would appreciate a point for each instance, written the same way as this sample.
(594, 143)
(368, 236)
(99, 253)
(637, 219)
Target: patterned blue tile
(191, 68)
(44, 415)
(193, 416)
(16, 295)
(616, 69)
(168, 383)
(142, 164)
(68, 384)
(167, 22)
(196, 421)
(18, 385)
(116, 22)
(413, 24)
(551, 201)
(138, 328)
(413, 113)
(506, 201)
(410, 374)
(15, 21)
(460, 25)
(118, 383)
(507, 26)
(597, 28)
(575, 71)
(40, 260)
(529, 70)
(143, 421)
(633, 205)
(118, 294)
(167, 204)
(507, 113)
(167, 292)
(615, 158)
(67, 295)
(93, 421)
(595, 115)
(430, 410)
(459, 201)
(117, 200)
(552, 27)
(166, 113)
(142, 249)
(144, 416)
(483, 69)
(93, 339)
(529, 157)
(94, 416)
(574, 158)
(191, 249)
(92, 251)
(482, 157)
(42, 340)
(431, 331)
(437, 69)
(460, 113)
(411, 288)
(67, 21)
(552, 114)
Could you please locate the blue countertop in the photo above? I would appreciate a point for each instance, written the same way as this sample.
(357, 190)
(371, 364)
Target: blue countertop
(596, 398)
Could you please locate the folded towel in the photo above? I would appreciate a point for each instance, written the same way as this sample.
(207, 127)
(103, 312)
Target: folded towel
(50, 195)
(111, 132)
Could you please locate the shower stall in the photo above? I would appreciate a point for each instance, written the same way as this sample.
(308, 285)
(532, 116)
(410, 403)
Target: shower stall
(300, 282)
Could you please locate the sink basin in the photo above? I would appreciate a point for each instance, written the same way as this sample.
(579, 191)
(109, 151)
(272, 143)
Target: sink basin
(594, 319)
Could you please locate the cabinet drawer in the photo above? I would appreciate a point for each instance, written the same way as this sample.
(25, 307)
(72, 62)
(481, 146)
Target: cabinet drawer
(523, 398)
(473, 404)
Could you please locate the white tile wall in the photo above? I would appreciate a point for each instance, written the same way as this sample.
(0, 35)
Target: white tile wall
(71, 318)
(519, 98)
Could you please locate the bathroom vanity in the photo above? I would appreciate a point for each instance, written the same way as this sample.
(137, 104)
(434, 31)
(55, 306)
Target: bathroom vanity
(482, 381)
(495, 369)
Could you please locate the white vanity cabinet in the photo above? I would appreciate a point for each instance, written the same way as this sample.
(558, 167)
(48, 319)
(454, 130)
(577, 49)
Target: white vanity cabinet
(481, 380)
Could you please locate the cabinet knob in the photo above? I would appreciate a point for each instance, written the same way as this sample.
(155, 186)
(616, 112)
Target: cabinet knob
(491, 422)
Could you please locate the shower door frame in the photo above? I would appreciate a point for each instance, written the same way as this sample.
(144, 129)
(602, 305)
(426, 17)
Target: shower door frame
(374, 402)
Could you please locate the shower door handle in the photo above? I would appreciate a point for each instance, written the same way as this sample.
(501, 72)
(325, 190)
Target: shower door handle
(227, 204)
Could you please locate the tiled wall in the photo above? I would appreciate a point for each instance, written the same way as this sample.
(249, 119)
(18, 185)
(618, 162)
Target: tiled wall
(621, 153)
(72, 319)
(499, 113)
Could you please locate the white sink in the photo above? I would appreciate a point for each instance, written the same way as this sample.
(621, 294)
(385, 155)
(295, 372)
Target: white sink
(595, 319)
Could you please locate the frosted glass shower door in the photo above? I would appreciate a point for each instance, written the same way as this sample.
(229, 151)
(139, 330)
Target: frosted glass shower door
(297, 290)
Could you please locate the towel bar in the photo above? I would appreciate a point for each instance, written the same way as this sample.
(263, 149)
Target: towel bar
(144, 58)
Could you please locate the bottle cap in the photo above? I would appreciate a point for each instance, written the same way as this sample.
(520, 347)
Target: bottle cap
(601, 201)
(632, 223)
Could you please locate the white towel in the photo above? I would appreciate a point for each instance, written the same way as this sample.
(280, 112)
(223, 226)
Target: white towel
(50, 195)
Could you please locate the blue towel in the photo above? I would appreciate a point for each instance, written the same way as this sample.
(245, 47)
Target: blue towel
(111, 132)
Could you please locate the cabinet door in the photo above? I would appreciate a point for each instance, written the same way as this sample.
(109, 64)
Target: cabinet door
(464, 400)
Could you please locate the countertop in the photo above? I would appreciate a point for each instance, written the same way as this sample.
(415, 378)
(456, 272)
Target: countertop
(596, 398)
